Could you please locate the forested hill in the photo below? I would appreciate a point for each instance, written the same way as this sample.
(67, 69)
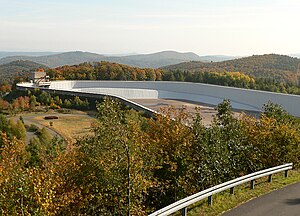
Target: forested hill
(68, 58)
(278, 67)
(153, 60)
(17, 68)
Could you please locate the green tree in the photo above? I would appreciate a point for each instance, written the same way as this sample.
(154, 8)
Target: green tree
(45, 98)
(57, 100)
(276, 111)
(18, 129)
(33, 148)
(43, 147)
(32, 102)
(115, 162)
(219, 152)
(67, 103)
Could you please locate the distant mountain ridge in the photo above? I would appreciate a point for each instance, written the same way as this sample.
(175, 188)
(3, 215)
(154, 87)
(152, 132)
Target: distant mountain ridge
(153, 60)
(217, 58)
(7, 54)
(69, 58)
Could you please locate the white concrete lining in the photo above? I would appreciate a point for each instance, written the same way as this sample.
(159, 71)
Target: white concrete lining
(212, 94)
(124, 92)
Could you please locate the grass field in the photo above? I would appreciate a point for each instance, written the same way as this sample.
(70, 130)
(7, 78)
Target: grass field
(69, 127)
(225, 201)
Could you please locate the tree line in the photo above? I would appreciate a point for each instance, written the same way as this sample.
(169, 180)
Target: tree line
(33, 101)
(104, 71)
(232, 79)
(132, 165)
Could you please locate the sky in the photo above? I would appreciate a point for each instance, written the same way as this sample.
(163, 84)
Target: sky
(211, 27)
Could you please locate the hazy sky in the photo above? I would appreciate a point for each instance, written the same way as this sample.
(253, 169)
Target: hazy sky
(240, 27)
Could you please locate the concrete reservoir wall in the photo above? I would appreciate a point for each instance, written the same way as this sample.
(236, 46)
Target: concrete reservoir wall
(244, 99)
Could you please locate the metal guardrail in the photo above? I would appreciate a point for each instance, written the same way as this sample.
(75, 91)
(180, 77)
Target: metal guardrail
(184, 203)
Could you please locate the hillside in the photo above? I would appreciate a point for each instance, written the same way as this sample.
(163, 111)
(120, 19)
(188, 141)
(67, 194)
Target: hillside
(154, 60)
(17, 68)
(279, 67)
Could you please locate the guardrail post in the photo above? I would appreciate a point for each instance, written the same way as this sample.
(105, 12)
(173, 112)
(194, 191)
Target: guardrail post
(232, 190)
(252, 184)
(270, 178)
(286, 174)
(210, 200)
(184, 211)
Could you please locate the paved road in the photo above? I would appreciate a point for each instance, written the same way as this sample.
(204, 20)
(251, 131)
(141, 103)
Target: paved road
(28, 120)
(282, 202)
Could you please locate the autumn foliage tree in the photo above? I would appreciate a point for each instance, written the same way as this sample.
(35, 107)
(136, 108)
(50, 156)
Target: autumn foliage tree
(131, 165)
(275, 136)
(170, 139)
(13, 180)
(5, 88)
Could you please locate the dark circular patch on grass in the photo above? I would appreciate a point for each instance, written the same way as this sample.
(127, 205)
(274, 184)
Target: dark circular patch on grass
(50, 117)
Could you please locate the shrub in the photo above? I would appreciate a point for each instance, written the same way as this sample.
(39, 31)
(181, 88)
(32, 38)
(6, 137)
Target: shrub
(33, 128)
(64, 111)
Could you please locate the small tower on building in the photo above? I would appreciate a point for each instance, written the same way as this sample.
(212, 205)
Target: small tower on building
(40, 78)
